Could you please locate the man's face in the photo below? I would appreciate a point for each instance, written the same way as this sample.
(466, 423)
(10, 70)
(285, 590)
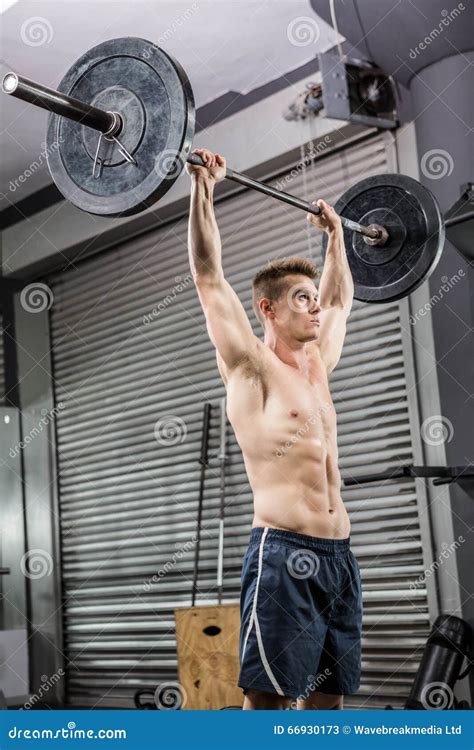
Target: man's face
(296, 312)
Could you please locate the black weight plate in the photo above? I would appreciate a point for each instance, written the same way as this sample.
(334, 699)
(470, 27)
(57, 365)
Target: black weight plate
(152, 93)
(414, 220)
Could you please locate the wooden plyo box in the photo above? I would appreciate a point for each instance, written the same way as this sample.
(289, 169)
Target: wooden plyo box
(208, 656)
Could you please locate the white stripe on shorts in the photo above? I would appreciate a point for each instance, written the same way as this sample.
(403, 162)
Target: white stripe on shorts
(254, 619)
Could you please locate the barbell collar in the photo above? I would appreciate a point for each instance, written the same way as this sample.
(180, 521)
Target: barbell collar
(382, 236)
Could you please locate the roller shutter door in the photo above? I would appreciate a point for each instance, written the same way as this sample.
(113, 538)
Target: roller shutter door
(129, 441)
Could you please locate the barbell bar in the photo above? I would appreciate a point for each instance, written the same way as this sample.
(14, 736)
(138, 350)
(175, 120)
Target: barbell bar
(453, 220)
(120, 130)
(110, 124)
(35, 93)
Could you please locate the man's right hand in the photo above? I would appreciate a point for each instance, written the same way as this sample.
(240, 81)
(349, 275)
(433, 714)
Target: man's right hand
(214, 165)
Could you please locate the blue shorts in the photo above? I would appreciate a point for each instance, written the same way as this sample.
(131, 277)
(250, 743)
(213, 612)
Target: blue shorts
(301, 615)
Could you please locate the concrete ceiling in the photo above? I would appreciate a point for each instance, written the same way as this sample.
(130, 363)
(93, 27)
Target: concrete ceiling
(403, 37)
(224, 45)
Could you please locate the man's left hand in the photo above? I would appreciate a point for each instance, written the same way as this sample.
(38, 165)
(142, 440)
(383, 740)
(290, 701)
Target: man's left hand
(328, 220)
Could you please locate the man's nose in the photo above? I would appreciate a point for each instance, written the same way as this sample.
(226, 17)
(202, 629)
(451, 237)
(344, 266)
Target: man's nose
(315, 307)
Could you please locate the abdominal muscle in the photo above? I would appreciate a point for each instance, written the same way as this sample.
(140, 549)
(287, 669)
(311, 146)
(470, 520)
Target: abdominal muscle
(290, 452)
(298, 490)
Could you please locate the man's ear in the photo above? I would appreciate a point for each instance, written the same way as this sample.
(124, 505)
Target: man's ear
(266, 307)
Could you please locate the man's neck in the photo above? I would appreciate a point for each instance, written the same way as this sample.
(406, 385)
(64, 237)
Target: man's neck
(291, 352)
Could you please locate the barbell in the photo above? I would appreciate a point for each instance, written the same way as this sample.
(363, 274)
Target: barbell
(120, 130)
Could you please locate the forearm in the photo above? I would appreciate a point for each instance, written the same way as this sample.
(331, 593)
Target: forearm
(204, 242)
(336, 288)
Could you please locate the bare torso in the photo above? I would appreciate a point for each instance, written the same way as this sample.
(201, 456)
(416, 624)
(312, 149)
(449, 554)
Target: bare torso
(285, 424)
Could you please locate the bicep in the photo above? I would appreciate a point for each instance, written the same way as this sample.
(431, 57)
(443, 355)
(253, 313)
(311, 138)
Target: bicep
(227, 323)
(333, 324)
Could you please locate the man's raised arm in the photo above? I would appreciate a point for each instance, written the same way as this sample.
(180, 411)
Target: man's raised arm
(227, 323)
(336, 288)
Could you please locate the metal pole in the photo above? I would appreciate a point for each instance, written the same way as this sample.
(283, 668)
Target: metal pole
(453, 220)
(203, 462)
(222, 461)
(60, 104)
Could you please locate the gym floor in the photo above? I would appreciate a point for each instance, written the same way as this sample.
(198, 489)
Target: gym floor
(126, 504)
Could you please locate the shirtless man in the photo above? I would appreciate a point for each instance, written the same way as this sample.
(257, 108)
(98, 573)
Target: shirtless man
(301, 603)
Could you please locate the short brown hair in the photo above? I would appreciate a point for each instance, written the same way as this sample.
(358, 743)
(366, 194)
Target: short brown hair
(270, 280)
